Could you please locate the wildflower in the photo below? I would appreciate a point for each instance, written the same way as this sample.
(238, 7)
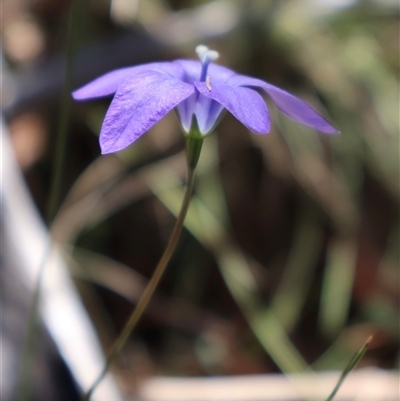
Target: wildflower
(199, 90)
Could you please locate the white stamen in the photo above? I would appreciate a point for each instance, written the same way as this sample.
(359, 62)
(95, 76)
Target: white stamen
(208, 83)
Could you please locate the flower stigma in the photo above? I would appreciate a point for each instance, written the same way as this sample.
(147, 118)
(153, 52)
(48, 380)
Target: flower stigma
(206, 56)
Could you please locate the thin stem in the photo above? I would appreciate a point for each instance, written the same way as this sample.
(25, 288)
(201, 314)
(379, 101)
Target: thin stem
(151, 286)
(351, 365)
(66, 100)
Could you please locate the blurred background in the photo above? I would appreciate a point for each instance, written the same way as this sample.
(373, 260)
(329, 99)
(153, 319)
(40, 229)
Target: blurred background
(290, 257)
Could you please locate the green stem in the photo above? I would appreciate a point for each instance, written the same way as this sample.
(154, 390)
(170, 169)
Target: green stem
(151, 286)
(66, 101)
(351, 365)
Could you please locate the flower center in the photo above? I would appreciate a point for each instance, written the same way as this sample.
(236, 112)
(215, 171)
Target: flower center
(206, 56)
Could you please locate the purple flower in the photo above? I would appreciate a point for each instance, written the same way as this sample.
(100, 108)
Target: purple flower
(200, 92)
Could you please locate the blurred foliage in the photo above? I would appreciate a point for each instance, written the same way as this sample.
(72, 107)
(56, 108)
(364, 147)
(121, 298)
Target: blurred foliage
(290, 259)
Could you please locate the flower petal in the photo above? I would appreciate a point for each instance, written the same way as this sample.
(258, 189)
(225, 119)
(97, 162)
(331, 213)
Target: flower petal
(185, 111)
(109, 83)
(295, 108)
(206, 110)
(142, 100)
(298, 110)
(207, 113)
(244, 103)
